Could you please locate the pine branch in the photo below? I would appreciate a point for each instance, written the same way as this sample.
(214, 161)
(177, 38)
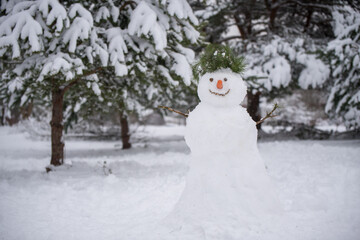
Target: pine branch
(131, 3)
(77, 79)
(227, 39)
(175, 111)
(269, 114)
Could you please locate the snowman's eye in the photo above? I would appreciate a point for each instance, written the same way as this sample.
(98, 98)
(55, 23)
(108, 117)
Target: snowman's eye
(211, 79)
(225, 79)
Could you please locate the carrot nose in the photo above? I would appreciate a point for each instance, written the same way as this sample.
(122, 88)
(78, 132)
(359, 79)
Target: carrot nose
(219, 84)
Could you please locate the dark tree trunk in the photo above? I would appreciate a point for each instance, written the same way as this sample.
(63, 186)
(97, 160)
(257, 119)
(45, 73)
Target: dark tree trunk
(273, 12)
(125, 136)
(2, 120)
(27, 110)
(308, 19)
(14, 117)
(240, 25)
(57, 144)
(253, 106)
(272, 18)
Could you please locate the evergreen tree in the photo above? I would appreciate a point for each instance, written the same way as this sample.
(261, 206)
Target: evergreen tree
(57, 53)
(343, 54)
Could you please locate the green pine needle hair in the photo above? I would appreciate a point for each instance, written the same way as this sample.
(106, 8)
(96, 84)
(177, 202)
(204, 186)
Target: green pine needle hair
(217, 57)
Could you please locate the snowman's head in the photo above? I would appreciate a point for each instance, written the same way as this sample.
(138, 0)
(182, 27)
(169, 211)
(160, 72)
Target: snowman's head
(222, 88)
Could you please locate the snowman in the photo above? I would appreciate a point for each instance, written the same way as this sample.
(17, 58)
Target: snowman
(227, 186)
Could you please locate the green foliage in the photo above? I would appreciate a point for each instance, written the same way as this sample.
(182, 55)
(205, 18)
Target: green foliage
(217, 57)
(130, 71)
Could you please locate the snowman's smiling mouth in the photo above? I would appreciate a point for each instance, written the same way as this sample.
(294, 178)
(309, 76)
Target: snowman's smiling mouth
(219, 94)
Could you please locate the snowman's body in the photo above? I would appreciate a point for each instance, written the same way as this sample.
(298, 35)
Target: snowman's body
(211, 129)
(227, 185)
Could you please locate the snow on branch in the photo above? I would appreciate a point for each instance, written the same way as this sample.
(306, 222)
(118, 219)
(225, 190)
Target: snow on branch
(103, 13)
(78, 9)
(20, 26)
(117, 50)
(62, 63)
(80, 27)
(344, 99)
(182, 10)
(182, 67)
(144, 22)
(190, 32)
(165, 72)
(279, 72)
(57, 13)
(315, 72)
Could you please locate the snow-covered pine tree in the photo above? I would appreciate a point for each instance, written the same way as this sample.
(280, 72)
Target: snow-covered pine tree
(45, 50)
(344, 55)
(152, 38)
(53, 52)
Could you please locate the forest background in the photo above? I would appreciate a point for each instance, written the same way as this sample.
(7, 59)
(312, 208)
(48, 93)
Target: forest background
(92, 68)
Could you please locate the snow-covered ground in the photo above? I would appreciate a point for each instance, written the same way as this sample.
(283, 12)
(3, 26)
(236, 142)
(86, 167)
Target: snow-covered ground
(104, 192)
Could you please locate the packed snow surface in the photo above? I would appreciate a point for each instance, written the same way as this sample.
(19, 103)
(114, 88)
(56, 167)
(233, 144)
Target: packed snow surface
(317, 183)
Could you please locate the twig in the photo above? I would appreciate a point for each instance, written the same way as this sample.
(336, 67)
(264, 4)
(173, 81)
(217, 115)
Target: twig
(269, 114)
(175, 111)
